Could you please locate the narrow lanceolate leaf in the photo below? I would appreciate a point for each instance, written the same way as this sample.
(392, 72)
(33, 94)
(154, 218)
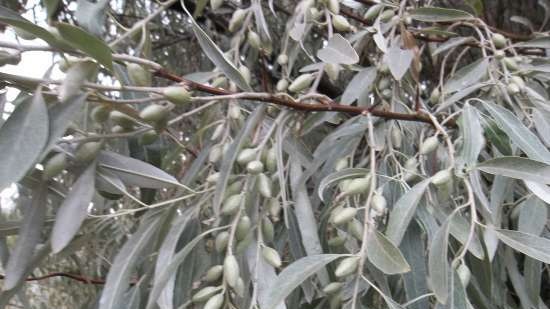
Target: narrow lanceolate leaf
(134, 172)
(12, 18)
(22, 138)
(467, 76)
(528, 244)
(338, 176)
(532, 216)
(88, 43)
(293, 275)
(520, 135)
(338, 51)
(384, 255)
(123, 265)
(435, 14)
(403, 212)
(542, 42)
(215, 55)
(438, 266)
(28, 237)
(542, 191)
(359, 85)
(518, 168)
(473, 135)
(73, 210)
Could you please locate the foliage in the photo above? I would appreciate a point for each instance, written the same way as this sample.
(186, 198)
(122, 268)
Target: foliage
(277, 154)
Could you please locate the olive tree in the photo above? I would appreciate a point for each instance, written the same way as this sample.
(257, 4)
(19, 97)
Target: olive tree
(276, 154)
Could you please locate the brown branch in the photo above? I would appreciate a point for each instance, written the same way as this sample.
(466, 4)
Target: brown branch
(65, 275)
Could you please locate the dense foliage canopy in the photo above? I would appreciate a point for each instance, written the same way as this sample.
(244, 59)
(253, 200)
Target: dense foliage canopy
(276, 154)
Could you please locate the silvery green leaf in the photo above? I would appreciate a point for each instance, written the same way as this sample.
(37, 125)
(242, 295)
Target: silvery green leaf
(518, 132)
(413, 249)
(403, 211)
(528, 244)
(338, 51)
(22, 138)
(398, 60)
(467, 76)
(438, 266)
(518, 168)
(451, 43)
(472, 133)
(359, 85)
(542, 124)
(532, 216)
(215, 55)
(383, 254)
(541, 42)
(91, 15)
(542, 191)
(437, 14)
(73, 210)
(294, 274)
(12, 18)
(339, 176)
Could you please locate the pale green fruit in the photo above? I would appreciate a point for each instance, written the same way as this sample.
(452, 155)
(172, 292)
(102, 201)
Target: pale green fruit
(254, 40)
(245, 72)
(386, 15)
(222, 239)
(282, 59)
(268, 231)
(148, 137)
(513, 89)
(274, 207)
(333, 6)
(240, 287)
(499, 40)
(518, 81)
(55, 165)
(340, 23)
(216, 4)
(344, 215)
(121, 119)
(379, 203)
(357, 186)
(282, 85)
(336, 241)
(500, 54)
(154, 113)
(442, 177)
(355, 228)
(216, 153)
(464, 274)
(429, 145)
(138, 75)
(435, 96)
(373, 12)
(333, 71)
(271, 160)
(243, 227)
(213, 178)
(100, 113)
(215, 302)
(214, 273)
(347, 267)
(232, 205)
(272, 257)
(302, 82)
(204, 294)
(237, 19)
(384, 83)
(231, 270)
(246, 155)
(86, 152)
(510, 64)
(255, 167)
(396, 137)
(265, 186)
(333, 287)
(178, 95)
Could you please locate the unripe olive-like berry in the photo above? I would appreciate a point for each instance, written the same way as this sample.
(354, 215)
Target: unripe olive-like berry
(442, 177)
(387, 94)
(340, 23)
(333, 6)
(222, 239)
(429, 145)
(235, 112)
(219, 82)
(411, 164)
(373, 12)
(344, 215)
(513, 88)
(464, 274)
(336, 241)
(274, 207)
(435, 96)
(121, 119)
(254, 40)
(255, 167)
(237, 19)
(510, 64)
(282, 59)
(216, 4)
(218, 131)
(500, 54)
(282, 85)
(177, 94)
(55, 165)
(301, 82)
(518, 81)
(272, 257)
(268, 231)
(332, 70)
(341, 164)
(100, 113)
(213, 178)
(333, 287)
(234, 188)
(245, 72)
(386, 15)
(271, 160)
(149, 137)
(243, 227)
(118, 129)
(384, 83)
(154, 113)
(265, 185)
(396, 137)
(379, 203)
(347, 267)
(246, 155)
(232, 205)
(355, 228)
(499, 40)
(138, 75)
(215, 302)
(24, 34)
(215, 154)
(240, 287)
(86, 152)
(231, 270)
(214, 273)
(357, 186)
(204, 294)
